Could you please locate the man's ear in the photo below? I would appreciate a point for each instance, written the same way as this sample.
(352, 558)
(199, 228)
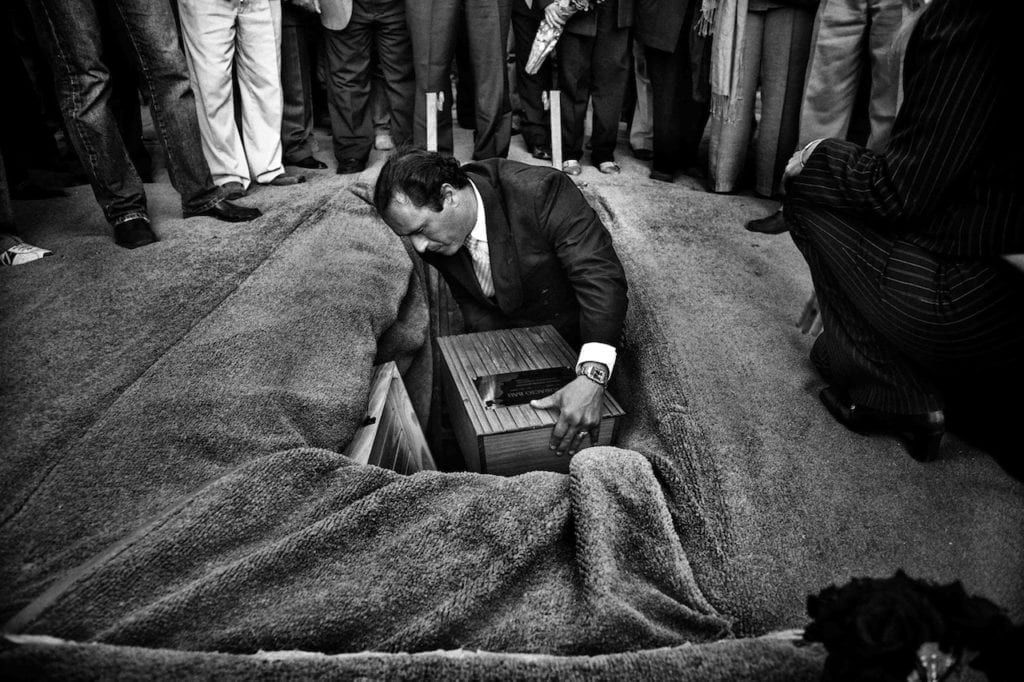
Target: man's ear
(449, 196)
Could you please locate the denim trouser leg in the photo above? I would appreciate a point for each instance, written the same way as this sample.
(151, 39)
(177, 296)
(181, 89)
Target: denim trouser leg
(69, 32)
(152, 30)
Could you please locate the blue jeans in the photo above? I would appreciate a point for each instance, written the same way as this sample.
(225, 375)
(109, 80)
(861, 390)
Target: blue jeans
(69, 30)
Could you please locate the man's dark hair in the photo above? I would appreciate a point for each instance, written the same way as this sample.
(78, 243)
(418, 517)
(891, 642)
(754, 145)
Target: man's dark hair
(418, 174)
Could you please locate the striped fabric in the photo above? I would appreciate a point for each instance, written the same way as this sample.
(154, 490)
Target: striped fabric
(903, 245)
(480, 254)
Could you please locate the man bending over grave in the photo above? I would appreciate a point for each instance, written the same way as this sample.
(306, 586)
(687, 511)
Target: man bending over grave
(519, 246)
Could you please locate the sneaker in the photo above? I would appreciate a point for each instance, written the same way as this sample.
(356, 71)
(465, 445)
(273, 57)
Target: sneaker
(572, 167)
(16, 252)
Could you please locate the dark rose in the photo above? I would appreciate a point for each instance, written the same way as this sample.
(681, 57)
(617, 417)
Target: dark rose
(873, 628)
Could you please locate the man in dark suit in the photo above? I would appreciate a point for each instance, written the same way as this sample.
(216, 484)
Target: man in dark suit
(911, 249)
(434, 26)
(518, 246)
(678, 65)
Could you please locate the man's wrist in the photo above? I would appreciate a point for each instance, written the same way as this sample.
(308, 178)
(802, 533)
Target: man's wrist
(595, 371)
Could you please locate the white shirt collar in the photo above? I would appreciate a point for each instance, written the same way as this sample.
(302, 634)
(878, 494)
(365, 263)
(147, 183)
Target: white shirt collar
(480, 228)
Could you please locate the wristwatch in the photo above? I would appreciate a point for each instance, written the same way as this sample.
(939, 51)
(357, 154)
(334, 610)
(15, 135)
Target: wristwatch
(595, 371)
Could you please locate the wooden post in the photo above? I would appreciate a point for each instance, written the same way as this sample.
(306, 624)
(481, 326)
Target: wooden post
(431, 121)
(555, 109)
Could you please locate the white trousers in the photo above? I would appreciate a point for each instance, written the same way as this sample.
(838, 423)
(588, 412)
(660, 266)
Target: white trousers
(244, 36)
(848, 33)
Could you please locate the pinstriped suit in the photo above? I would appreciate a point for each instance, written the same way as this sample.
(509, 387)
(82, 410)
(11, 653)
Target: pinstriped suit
(903, 246)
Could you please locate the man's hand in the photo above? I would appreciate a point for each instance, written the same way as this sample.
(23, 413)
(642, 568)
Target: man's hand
(579, 406)
(553, 15)
(799, 158)
(810, 318)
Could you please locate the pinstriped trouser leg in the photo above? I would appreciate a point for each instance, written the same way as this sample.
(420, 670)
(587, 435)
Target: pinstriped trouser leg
(898, 319)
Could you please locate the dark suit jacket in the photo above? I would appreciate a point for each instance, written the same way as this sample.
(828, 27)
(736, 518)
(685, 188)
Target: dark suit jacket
(552, 259)
(659, 22)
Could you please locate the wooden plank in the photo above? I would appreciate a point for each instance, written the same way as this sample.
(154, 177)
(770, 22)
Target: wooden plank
(465, 434)
(413, 451)
(431, 121)
(360, 446)
(555, 111)
(392, 429)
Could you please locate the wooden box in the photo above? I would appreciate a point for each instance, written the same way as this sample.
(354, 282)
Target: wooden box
(509, 439)
(390, 435)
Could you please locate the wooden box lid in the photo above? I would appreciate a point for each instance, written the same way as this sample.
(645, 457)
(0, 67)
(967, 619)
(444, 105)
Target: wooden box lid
(469, 356)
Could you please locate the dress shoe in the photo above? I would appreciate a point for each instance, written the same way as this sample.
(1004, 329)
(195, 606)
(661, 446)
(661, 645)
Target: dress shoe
(572, 167)
(228, 212)
(349, 165)
(310, 162)
(921, 433)
(233, 190)
(609, 168)
(773, 224)
(542, 152)
(643, 154)
(662, 177)
(134, 233)
(285, 180)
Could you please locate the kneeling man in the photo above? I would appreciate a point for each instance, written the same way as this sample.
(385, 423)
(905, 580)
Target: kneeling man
(519, 246)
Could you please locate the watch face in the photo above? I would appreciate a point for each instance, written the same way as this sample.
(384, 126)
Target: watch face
(596, 372)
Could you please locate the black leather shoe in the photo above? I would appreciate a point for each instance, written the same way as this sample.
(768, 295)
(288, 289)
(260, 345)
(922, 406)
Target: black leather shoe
(773, 224)
(134, 233)
(662, 177)
(229, 212)
(921, 433)
(308, 162)
(346, 166)
(642, 154)
(541, 152)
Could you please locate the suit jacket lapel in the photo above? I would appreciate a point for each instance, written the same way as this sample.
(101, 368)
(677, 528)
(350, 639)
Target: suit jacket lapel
(508, 286)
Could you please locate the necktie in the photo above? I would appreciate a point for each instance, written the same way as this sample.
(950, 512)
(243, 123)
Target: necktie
(480, 254)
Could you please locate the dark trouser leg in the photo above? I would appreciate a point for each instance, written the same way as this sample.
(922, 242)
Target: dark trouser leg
(574, 54)
(535, 126)
(394, 48)
(296, 86)
(152, 30)
(348, 88)
(678, 119)
(488, 48)
(6, 212)
(609, 75)
(432, 27)
(69, 32)
(465, 86)
(898, 320)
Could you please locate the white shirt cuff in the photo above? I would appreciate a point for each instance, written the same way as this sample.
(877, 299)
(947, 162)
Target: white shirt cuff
(597, 352)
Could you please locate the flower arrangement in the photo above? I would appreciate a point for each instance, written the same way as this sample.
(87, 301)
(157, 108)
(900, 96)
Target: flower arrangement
(901, 629)
(548, 34)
